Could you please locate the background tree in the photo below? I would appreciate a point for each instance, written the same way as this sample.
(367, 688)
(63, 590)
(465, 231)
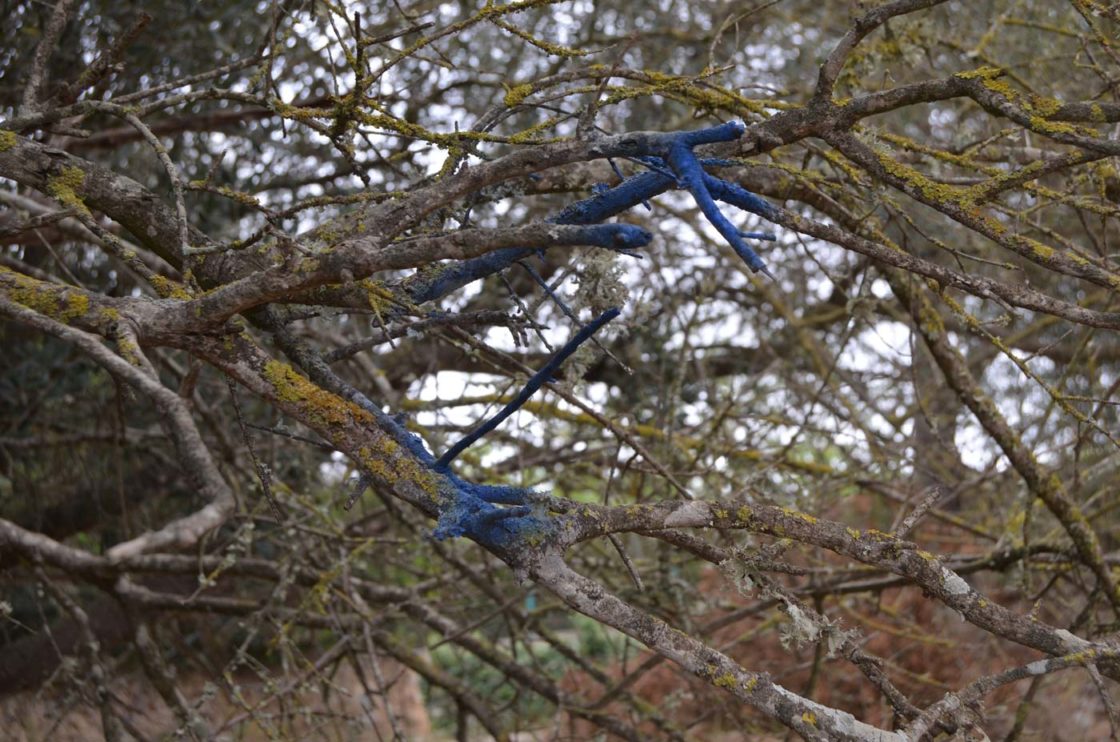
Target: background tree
(266, 264)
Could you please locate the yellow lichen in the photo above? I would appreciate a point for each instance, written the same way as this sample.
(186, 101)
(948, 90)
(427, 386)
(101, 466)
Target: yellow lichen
(1039, 107)
(63, 305)
(383, 458)
(534, 539)
(982, 73)
(64, 187)
(809, 718)
(797, 514)
(528, 135)
(1001, 88)
(518, 93)
(1044, 106)
(7, 140)
(1039, 123)
(1044, 252)
(320, 405)
(129, 350)
(169, 289)
(298, 113)
(929, 321)
(379, 297)
(239, 196)
(76, 306)
(922, 186)
(727, 680)
(1054, 484)
(984, 191)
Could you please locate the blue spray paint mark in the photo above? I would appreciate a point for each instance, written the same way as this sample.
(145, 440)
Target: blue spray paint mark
(499, 516)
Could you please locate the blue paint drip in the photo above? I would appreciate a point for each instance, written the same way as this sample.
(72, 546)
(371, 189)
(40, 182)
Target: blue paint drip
(473, 513)
(424, 288)
(657, 165)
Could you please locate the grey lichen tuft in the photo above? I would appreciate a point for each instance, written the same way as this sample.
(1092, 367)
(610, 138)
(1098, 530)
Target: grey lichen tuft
(599, 282)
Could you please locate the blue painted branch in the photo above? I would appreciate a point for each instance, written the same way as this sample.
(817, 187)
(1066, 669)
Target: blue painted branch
(562, 305)
(495, 493)
(629, 193)
(736, 195)
(535, 382)
(621, 237)
(487, 524)
(728, 132)
(692, 177)
(624, 238)
(539, 280)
